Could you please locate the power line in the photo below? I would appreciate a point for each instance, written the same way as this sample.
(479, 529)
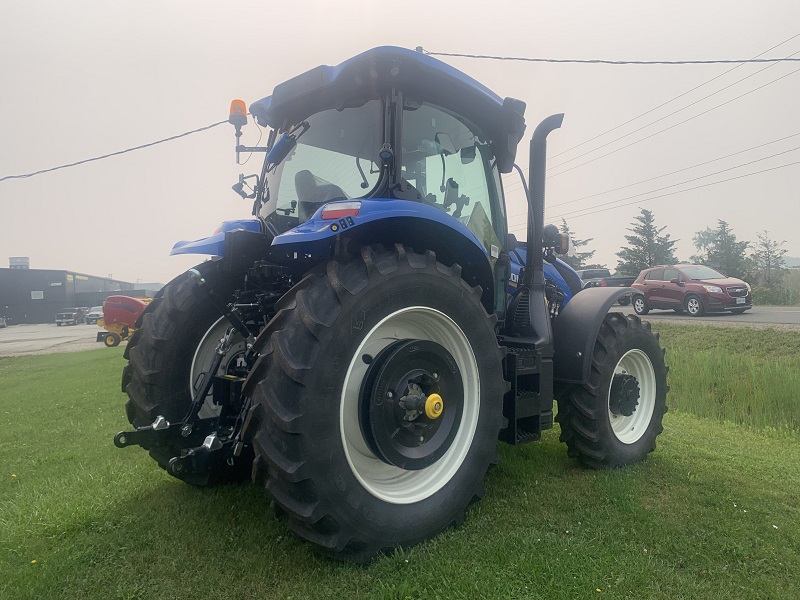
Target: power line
(673, 126)
(600, 61)
(673, 99)
(622, 187)
(674, 193)
(81, 162)
(515, 186)
(666, 187)
(738, 81)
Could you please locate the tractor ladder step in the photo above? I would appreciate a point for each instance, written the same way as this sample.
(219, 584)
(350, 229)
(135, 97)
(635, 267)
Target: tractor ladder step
(528, 405)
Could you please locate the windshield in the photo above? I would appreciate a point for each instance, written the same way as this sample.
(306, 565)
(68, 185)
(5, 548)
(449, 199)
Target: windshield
(701, 272)
(335, 159)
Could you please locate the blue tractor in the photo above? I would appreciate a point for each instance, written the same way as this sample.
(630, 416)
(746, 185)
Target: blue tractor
(361, 344)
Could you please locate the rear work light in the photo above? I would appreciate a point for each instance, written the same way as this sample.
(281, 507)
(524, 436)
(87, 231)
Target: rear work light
(340, 210)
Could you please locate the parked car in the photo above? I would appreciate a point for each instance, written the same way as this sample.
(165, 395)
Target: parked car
(94, 315)
(603, 278)
(70, 316)
(697, 289)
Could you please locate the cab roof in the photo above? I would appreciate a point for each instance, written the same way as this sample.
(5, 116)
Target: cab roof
(374, 73)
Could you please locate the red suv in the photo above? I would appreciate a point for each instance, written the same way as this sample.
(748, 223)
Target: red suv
(697, 289)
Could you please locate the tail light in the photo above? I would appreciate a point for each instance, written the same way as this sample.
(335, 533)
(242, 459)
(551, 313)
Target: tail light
(604, 283)
(340, 210)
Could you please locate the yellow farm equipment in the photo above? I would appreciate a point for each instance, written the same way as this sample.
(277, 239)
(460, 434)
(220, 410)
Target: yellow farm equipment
(120, 314)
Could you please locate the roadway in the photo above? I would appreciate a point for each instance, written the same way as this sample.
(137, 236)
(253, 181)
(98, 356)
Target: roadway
(47, 338)
(782, 316)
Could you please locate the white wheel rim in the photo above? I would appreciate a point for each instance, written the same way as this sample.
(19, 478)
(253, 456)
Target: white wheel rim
(629, 430)
(639, 304)
(389, 483)
(204, 356)
(693, 305)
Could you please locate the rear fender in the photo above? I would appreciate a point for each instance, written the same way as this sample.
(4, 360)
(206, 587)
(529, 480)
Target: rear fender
(575, 331)
(385, 221)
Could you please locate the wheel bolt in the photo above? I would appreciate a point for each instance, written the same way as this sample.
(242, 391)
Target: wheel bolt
(390, 394)
(435, 376)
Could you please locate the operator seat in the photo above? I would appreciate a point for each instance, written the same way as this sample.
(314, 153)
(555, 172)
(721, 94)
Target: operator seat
(312, 192)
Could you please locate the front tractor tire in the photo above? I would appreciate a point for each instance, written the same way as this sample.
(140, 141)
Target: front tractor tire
(377, 402)
(168, 353)
(614, 419)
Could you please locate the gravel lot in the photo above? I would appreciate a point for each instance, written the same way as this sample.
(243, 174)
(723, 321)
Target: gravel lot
(45, 339)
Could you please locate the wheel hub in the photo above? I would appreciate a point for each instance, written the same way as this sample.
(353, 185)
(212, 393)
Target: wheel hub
(402, 412)
(624, 397)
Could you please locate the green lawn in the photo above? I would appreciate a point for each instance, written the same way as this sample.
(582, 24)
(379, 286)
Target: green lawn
(712, 514)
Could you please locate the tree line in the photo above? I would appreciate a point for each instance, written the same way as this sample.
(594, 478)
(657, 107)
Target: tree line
(761, 263)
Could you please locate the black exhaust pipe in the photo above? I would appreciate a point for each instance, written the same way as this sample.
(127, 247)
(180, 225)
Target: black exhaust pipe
(534, 326)
(536, 177)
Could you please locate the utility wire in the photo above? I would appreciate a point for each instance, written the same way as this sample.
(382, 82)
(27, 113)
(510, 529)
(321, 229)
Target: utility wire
(600, 61)
(673, 193)
(515, 186)
(666, 187)
(673, 99)
(738, 81)
(622, 187)
(673, 126)
(80, 162)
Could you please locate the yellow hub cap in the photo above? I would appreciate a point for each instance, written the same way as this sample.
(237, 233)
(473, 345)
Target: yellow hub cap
(434, 406)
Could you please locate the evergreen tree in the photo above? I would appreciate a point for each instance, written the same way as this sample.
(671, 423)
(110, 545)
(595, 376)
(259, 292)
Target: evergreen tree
(578, 261)
(647, 246)
(768, 261)
(719, 250)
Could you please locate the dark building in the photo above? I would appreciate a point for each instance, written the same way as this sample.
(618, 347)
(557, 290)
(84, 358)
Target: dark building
(36, 295)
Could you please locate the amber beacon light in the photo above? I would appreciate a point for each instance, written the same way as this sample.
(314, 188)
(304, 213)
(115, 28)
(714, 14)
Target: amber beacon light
(238, 115)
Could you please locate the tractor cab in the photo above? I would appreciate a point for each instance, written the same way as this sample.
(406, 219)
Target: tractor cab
(388, 124)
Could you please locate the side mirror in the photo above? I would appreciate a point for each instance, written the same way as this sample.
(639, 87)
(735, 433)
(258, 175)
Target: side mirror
(565, 245)
(556, 240)
(677, 281)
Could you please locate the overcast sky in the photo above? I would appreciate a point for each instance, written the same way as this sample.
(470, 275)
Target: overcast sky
(80, 79)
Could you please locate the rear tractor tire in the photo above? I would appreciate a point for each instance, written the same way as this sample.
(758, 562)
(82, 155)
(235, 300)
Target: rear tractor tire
(614, 419)
(377, 402)
(170, 350)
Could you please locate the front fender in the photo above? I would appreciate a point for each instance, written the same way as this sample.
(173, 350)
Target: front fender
(575, 331)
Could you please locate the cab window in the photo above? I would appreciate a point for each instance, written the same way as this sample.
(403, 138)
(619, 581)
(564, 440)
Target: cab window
(449, 163)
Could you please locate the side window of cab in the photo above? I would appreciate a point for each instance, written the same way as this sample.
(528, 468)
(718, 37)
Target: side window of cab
(449, 163)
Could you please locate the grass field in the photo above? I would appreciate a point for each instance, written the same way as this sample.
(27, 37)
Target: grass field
(713, 513)
(748, 376)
